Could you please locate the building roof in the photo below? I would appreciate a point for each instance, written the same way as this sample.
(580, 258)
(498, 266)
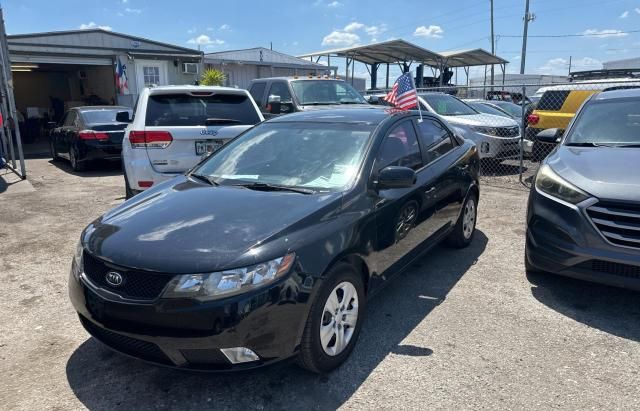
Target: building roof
(261, 56)
(470, 57)
(90, 41)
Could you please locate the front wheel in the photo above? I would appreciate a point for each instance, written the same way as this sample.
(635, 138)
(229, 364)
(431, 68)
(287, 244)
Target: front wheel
(465, 227)
(76, 164)
(335, 320)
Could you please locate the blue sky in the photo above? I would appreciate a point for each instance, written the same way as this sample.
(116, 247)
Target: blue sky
(299, 26)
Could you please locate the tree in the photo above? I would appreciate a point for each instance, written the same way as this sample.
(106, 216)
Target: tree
(212, 77)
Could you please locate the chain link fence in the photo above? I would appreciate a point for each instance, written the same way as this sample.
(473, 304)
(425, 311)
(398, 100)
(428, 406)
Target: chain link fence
(504, 121)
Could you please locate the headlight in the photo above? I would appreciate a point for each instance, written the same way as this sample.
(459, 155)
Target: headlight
(550, 183)
(76, 263)
(229, 282)
(491, 131)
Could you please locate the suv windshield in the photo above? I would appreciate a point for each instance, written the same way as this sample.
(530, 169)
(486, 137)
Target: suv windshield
(313, 92)
(189, 110)
(614, 122)
(321, 156)
(446, 105)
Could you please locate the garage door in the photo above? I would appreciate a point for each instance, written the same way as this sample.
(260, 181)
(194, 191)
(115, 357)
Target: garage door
(78, 60)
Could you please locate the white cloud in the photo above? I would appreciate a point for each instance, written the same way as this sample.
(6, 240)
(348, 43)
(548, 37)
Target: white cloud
(92, 25)
(334, 3)
(604, 33)
(561, 66)
(340, 38)
(191, 30)
(225, 27)
(204, 40)
(125, 1)
(624, 14)
(430, 32)
(133, 11)
(210, 29)
(637, 10)
(295, 43)
(354, 26)
(375, 30)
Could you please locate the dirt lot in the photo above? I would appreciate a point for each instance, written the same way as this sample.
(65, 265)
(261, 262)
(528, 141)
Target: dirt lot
(461, 329)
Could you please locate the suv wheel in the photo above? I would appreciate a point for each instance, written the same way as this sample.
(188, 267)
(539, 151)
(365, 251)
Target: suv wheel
(335, 320)
(465, 227)
(76, 164)
(128, 192)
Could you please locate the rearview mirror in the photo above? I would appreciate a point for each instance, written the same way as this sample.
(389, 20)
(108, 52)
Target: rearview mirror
(123, 117)
(396, 177)
(550, 135)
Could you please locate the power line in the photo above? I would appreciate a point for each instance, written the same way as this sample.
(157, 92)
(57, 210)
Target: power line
(603, 34)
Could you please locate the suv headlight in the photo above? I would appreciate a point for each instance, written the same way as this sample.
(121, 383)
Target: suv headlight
(490, 131)
(225, 283)
(77, 263)
(551, 183)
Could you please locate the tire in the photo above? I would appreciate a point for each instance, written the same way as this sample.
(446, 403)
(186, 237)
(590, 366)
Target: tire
(76, 164)
(465, 227)
(52, 150)
(128, 192)
(318, 354)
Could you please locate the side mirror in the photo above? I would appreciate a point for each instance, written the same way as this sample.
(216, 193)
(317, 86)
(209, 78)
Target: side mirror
(52, 124)
(550, 135)
(396, 177)
(274, 105)
(123, 117)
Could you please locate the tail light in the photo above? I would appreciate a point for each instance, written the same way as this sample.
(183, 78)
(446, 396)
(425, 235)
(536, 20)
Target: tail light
(93, 135)
(532, 119)
(150, 139)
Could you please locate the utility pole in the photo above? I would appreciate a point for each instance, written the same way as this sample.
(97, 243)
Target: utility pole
(570, 65)
(493, 44)
(527, 18)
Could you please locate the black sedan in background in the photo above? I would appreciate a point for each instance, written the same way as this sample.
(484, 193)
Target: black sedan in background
(88, 133)
(271, 247)
(583, 218)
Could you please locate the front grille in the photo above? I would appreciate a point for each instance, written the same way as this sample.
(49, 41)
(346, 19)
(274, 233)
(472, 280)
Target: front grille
(132, 346)
(619, 223)
(136, 284)
(508, 131)
(607, 267)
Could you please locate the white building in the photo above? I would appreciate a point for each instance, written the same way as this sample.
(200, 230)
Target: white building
(512, 82)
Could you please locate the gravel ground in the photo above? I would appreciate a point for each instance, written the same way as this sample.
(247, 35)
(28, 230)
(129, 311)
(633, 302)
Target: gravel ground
(460, 329)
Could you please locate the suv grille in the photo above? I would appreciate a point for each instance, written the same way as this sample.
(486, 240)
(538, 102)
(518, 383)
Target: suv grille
(607, 267)
(132, 346)
(619, 223)
(508, 131)
(138, 285)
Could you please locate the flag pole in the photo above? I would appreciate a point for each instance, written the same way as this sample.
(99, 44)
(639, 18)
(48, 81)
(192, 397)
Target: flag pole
(413, 83)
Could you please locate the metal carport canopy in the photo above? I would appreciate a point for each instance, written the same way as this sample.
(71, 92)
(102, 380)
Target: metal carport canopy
(471, 57)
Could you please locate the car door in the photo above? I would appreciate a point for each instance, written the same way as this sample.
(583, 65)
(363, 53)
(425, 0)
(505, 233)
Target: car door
(447, 170)
(257, 92)
(279, 89)
(56, 134)
(400, 215)
(70, 122)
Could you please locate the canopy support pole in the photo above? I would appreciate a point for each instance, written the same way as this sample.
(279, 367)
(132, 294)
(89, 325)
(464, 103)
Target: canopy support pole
(387, 84)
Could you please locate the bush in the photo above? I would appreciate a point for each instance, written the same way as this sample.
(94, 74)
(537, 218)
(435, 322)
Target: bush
(212, 77)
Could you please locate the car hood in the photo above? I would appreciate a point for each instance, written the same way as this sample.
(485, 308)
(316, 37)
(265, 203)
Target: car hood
(333, 106)
(481, 120)
(604, 172)
(183, 226)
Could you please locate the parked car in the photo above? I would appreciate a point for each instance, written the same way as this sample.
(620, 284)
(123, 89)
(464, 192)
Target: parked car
(514, 110)
(271, 247)
(86, 134)
(483, 106)
(283, 95)
(175, 127)
(583, 217)
(559, 104)
(497, 137)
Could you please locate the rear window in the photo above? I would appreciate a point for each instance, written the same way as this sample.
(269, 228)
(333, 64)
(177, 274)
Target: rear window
(101, 116)
(553, 100)
(188, 110)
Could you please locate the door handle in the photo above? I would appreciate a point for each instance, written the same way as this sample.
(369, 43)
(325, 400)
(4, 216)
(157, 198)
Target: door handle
(464, 167)
(431, 190)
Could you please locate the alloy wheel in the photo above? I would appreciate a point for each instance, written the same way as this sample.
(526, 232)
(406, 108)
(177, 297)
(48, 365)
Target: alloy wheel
(339, 318)
(469, 218)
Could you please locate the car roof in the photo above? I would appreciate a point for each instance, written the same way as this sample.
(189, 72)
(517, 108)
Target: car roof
(292, 78)
(191, 89)
(370, 115)
(616, 94)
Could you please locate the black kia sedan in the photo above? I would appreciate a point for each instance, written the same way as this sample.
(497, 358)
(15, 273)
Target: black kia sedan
(583, 218)
(88, 133)
(271, 247)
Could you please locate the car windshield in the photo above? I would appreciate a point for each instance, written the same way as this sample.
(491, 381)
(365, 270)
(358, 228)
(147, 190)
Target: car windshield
(615, 122)
(102, 115)
(487, 109)
(446, 105)
(195, 110)
(319, 156)
(317, 92)
(511, 108)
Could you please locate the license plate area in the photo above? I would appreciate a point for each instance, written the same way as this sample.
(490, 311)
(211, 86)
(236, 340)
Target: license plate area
(207, 146)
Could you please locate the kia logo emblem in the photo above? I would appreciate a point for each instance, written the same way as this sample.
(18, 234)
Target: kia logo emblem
(114, 279)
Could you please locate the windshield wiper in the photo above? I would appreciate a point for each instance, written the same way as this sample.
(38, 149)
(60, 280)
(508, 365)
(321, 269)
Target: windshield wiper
(631, 145)
(587, 144)
(320, 103)
(211, 121)
(351, 102)
(274, 187)
(204, 178)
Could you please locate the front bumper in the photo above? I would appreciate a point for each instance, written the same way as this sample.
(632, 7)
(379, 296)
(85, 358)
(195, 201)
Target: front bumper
(499, 148)
(562, 240)
(188, 334)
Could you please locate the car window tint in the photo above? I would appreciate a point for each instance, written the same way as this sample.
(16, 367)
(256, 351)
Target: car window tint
(280, 89)
(435, 139)
(400, 148)
(70, 119)
(257, 91)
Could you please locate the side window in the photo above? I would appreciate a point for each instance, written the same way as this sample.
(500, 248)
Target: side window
(400, 148)
(280, 89)
(257, 92)
(435, 139)
(70, 119)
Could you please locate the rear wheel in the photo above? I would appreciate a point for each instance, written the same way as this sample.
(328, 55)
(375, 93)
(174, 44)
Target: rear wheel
(128, 192)
(52, 150)
(335, 320)
(465, 227)
(76, 164)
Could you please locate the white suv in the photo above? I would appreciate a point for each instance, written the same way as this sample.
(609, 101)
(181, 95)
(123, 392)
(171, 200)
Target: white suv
(174, 127)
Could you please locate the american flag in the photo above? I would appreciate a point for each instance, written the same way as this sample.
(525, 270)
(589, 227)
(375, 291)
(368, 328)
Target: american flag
(403, 95)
